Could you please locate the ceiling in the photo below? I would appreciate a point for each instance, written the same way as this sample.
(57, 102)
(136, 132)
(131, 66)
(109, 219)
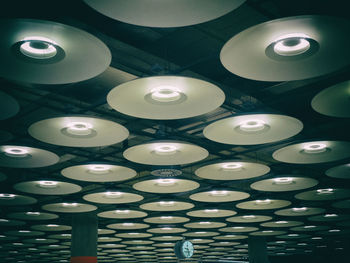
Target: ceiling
(191, 51)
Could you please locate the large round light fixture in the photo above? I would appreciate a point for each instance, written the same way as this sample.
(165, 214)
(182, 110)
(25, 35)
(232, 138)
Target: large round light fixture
(165, 97)
(277, 49)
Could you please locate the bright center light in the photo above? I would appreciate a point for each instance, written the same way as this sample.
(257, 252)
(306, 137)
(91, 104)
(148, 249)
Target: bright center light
(128, 224)
(33, 213)
(283, 180)
(309, 226)
(122, 211)
(325, 191)
(293, 235)
(165, 94)
(330, 215)
(7, 196)
(99, 169)
(69, 204)
(252, 125)
(47, 184)
(219, 193)
(166, 217)
(52, 225)
(315, 147)
(291, 44)
(79, 128)
(165, 182)
(16, 151)
(299, 209)
(231, 166)
(204, 223)
(165, 149)
(249, 217)
(263, 202)
(267, 231)
(113, 194)
(211, 210)
(167, 203)
(166, 228)
(281, 222)
(38, 47)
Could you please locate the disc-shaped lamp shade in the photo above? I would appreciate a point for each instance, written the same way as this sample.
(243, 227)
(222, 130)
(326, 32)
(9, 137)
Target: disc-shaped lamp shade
(211, 213)
(166, 219)
(33, 215)
(333, 101)
(127, 226)
(263, 204)
(69, 207)
(51, 227)
(25, 157)
(159, 13)
(47, 187)
(99, 172)
(8, 106)
(165, 238)
(341, 171)
(113, 197)
(165, 186)
(14, 199)
(165, 97)
(167, 206)
(324, 194)
(219, 196)
(277, 49)
(267, 232)
(253, 129)
(300, 211)
(283, 184)
(201, 234)
(166, 230)
(165, 153)
(232, 170)
(78, 131)
(45, 52)
(281, 223)
(313, 152)
(122, 214)
(205, 224)
(238, 229)
(230, 237)
(249, 218)
(134, 235)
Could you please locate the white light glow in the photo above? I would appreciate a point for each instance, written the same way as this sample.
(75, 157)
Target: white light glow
(283, 180)
(330, 215)
(252, 125)
(33, 213)
(166, 217)
(281, 222)
(99, 169)
(7, 196)
(113, 194)
(291, 44)
(128, 224)
(165, 149)
(315, 147)
(211, 210)
(38, 47)
(16, 151)
(166, 203)
(219, 193)
(79, 128)
(249, 217)
(263, 202)
(231, 166)
(47, 184)
(325, 191)
(165, 182)
(165, 94)
(122, 211)
(299, 209)
(70, 204)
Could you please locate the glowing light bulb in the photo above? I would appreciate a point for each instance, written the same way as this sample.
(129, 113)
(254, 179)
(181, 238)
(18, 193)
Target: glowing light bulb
(165, 182)
(315, 148)
(211, 210)
(166, 203)
(299, 209)
(263, 202)
(7, 196)
(16, 151)
(219, 193)
(99, 169)
(281, 222)
(113, 194)
(252, 125)
(166, 217)
(165, 94)
(291, 44)
(33, 213)
(47, 184)
(122, 211)
(325, 191)
(70, 204)
(165, 149)
(128, 224)
(79, 128)
(231, 166)
(38, 47)
(283, 180)
(249, 217)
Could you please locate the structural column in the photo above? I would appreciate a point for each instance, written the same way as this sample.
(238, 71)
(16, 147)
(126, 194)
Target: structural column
(257, 250)
(84, 238)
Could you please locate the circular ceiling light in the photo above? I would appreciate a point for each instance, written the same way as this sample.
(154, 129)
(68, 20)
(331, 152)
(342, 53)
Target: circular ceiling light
(263, 204)
(166, 220)
(333, 101)
(219, 196)
(14, 199)
(33, 215)
(165, 97)
(113, 197)
(165, 153)
(165, 186)
(282, 223)
(281, 184)
(277, 49)
(324, 194)
(69, 207)
(211, 213)
(341, 171)
(167, 206)
(45, 187)
(232, 170)
(300, 211)
(253, 129)
(313, 152)
(25, 157)
(39, 49)
(170, 13)
(122, 214)
(78, 131)
(248, 219)
(8, 106)
(99, 172)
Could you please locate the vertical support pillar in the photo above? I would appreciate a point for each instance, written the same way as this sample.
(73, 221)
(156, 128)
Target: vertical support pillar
(257, 250)
(84, 238)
